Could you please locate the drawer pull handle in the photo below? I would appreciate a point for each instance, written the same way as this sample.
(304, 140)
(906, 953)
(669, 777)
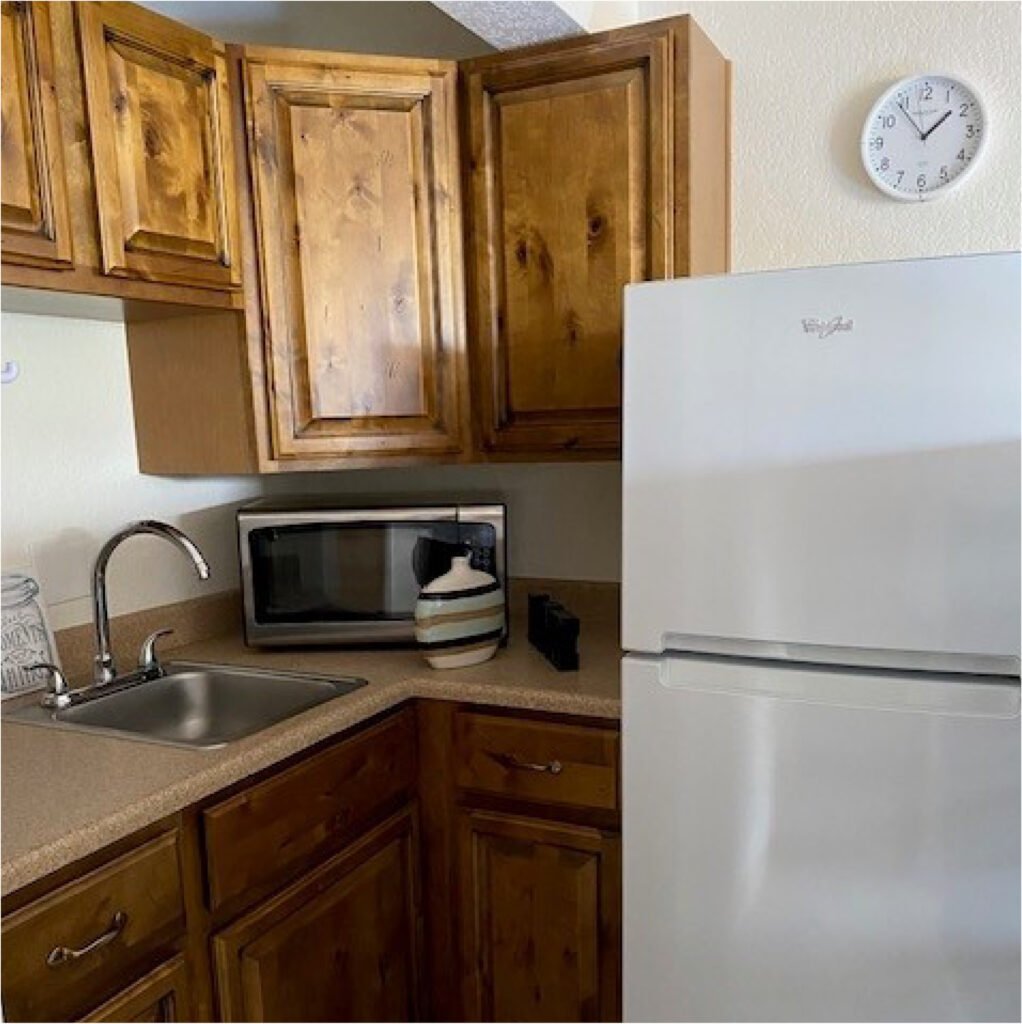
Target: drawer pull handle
(65, 954)
(550, 767)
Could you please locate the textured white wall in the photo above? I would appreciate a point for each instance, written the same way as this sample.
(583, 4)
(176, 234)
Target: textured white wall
(805, 77)
(69, 476)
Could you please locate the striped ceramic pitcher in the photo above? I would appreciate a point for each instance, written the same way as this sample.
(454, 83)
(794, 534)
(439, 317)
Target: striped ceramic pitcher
(459, 617)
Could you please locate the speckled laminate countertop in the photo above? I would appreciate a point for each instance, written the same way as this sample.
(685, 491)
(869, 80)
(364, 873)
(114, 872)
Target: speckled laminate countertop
(66, 794)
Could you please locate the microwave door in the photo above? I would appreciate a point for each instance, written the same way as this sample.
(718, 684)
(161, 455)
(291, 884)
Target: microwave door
(344, 582)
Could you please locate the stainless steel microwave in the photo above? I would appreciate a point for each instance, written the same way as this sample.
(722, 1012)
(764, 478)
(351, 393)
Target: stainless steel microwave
(314, 571)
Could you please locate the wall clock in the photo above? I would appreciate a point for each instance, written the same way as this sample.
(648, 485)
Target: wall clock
(924, 136)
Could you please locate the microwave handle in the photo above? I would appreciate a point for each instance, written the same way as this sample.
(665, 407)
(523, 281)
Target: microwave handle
(258, 520)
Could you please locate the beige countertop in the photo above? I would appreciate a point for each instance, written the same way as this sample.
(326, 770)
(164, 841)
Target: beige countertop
(66, 794)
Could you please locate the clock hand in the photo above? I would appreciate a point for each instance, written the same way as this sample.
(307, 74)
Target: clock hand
(933, 128)
(908, 117)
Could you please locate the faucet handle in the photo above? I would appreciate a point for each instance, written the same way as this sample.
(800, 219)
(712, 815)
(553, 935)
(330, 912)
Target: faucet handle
(58, 693)
(147, 660)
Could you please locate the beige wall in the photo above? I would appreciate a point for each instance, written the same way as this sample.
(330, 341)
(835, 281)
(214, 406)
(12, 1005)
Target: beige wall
(805, 77)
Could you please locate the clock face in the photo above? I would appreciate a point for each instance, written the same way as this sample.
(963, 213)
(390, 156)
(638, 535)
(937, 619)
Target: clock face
(923, 137)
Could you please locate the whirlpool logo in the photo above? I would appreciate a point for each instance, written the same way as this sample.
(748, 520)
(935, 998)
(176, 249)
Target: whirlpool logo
(825, 328)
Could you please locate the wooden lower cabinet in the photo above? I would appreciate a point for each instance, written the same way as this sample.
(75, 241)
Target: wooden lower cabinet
(305, 894)
(162, 995)
(540, 919)
(342, 944)
(94, 936)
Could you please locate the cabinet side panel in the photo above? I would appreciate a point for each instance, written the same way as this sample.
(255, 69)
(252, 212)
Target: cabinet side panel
(702, 134)
(190, 389)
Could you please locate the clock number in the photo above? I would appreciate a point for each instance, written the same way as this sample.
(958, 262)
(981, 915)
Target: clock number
(877, 142)
(884, 164)
(963, 110)
(927, 92)
(970, 131)
(944, 176)
(887, 121)
(901, 174)
(961, 155)
(921, 181)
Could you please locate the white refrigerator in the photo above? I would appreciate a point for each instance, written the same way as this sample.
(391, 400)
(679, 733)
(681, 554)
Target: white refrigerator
(821, 621)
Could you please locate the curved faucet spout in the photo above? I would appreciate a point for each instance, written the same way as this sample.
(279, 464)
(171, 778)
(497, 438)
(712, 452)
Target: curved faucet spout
(104, 670)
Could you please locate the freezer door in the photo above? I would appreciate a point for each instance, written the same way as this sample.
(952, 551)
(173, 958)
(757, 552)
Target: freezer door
(824, 464)
(818, 845)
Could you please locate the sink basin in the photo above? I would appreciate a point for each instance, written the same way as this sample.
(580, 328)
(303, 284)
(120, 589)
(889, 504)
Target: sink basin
(196, 705)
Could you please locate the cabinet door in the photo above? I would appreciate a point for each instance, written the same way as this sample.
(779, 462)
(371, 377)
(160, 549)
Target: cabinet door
(580, 182)
(162, 995)
(36, 222)
(354, 167)
(342, 944)
(160, 131)
(541, 920)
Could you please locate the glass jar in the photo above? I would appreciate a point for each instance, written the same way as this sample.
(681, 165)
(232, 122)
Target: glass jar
(25, 638)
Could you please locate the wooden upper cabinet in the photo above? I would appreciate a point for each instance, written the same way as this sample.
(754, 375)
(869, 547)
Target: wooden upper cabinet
(593, 163)
(159, 125)
(355, 179)
(35, 218)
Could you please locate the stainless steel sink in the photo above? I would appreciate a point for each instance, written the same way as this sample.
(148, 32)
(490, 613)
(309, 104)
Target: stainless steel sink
(195, 705)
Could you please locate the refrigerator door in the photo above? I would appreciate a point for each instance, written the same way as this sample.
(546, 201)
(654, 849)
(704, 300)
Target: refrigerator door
(823, 464)
(818, 845)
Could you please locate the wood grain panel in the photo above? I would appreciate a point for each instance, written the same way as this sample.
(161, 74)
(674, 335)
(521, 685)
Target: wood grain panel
(516, 758)
(540, 920)
(342, 944)
(354, 169)
(594, 162)
(269, 832)
(144, 884)
(362, 341)
(36, 222)
(569, 193)
(162, 995)
(567, 251)
(160, 130)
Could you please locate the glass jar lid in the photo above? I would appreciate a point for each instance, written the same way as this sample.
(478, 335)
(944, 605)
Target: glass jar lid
(17, 589)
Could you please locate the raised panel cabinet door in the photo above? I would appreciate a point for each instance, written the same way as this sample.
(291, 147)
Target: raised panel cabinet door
(354, 169)
(162, 995)
(577, 185)
(341, 945)
(540, 920)
(159, 125)
(35, 218)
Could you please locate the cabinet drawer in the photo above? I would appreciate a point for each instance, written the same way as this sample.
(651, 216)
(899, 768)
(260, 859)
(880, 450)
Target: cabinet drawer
(268, 833)
(67, 951)
(575, 765)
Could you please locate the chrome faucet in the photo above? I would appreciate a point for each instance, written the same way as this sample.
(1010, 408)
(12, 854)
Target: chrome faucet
(104, 670)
